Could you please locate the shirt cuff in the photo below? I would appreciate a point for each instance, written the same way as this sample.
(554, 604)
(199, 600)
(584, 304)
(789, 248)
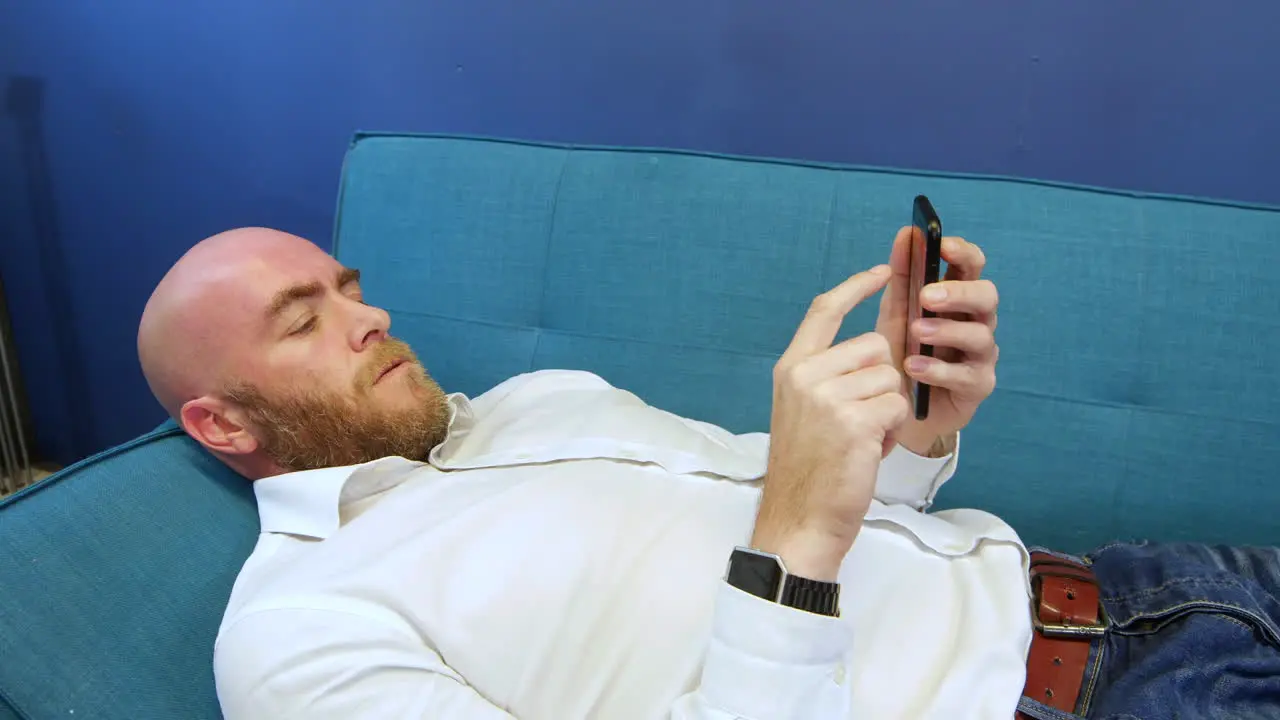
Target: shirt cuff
(906, 478)
(767, 660)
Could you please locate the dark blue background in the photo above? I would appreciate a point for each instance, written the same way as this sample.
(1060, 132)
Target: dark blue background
(162, 122)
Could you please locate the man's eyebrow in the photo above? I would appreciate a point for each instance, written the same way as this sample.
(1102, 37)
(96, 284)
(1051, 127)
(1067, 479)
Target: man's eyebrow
(292, 294)
(347, 276)
(303, 291)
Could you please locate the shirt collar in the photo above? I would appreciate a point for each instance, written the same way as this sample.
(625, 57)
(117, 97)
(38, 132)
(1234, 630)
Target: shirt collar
(306, 502)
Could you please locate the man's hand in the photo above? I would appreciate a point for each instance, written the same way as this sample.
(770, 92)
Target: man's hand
(963, 369)
(834, 412)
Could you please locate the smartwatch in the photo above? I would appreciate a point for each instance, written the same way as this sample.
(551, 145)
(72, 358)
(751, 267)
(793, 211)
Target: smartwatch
(764, 575)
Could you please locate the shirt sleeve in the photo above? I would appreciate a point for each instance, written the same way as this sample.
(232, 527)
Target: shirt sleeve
(766, 660)
(763, 661)
(909, 479)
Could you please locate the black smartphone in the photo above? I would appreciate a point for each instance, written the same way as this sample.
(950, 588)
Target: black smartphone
(926, 259)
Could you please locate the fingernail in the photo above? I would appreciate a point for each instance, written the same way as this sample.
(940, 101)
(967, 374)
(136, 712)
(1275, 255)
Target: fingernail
(917, 364)
(934, 294)
(880, 269)
(926, 327)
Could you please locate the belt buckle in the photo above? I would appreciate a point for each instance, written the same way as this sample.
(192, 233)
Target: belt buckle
(1065, 630)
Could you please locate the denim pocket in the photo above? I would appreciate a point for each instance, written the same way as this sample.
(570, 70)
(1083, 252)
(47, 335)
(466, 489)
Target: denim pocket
(1144, 587)
(1190, 662)
(1244, 618)
(1194, 632)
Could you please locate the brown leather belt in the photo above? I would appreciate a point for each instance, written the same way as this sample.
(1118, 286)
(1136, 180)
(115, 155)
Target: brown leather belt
(1066, 616)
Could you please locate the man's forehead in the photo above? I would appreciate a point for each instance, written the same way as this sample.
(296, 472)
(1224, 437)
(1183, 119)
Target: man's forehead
(254, 285)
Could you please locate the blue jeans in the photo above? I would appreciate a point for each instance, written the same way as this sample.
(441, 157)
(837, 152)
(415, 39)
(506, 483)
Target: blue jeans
(1195, 633)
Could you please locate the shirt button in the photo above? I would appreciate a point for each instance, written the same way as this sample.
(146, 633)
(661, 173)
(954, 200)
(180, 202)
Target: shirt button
(839, 676)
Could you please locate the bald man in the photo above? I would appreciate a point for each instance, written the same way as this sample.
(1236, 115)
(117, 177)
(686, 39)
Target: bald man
(234, 345)
(556, 548)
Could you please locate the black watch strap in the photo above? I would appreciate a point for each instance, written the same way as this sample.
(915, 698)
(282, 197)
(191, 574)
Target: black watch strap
(815, 596)
(764, 575)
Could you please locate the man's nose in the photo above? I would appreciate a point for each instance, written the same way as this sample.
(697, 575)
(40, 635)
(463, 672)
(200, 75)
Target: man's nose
(372, 326)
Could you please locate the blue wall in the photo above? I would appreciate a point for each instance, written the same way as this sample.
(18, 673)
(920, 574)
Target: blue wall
(162, 122)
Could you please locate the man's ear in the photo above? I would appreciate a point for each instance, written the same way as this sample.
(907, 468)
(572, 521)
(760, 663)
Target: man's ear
(217, 426)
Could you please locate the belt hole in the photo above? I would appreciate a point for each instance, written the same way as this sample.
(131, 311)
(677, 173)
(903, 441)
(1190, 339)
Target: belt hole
(1057, 661)
(1048, 692)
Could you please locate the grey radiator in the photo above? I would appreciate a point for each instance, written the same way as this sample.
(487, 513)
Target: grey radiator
(15, 421)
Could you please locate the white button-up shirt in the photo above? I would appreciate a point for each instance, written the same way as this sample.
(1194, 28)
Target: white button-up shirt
(562, 556)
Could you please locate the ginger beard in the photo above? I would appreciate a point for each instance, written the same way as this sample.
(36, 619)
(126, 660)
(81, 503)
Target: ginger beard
(308, 428)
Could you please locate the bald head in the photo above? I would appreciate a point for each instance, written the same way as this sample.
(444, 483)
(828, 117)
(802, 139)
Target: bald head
(195, 315)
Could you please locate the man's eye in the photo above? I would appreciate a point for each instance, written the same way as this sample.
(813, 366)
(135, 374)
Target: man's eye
(305, 327)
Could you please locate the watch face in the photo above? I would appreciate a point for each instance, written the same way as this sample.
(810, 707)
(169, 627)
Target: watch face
(759, 575)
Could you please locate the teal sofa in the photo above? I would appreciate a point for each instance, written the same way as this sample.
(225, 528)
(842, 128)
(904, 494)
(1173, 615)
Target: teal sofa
(1138, 396)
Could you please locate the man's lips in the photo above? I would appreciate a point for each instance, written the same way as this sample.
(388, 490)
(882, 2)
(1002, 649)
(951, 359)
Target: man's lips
(387, 370)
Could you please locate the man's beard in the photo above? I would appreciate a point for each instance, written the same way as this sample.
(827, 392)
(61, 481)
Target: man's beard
(306, 428)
